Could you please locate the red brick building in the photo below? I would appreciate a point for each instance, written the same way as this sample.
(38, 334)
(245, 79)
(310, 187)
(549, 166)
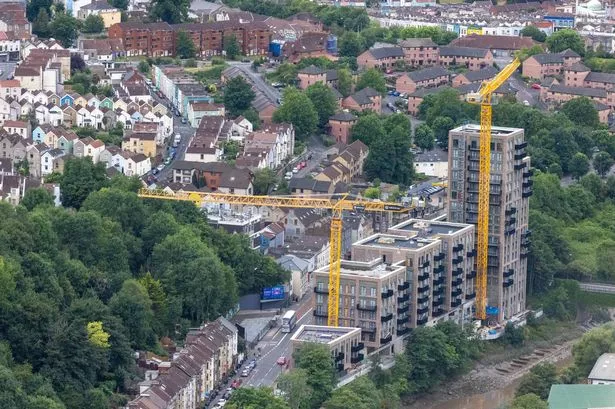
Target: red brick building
(340, 125)
(419, 52)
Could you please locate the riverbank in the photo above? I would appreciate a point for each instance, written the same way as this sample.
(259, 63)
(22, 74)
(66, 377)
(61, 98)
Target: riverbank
(491, 384)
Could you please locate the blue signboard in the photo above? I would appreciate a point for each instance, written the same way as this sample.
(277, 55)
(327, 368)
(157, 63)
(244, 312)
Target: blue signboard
(492, 310)
(273, 293)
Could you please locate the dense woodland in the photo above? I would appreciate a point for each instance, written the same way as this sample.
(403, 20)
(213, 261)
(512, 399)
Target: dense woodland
(82, 287)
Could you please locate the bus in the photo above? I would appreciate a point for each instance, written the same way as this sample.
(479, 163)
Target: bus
(289, 320)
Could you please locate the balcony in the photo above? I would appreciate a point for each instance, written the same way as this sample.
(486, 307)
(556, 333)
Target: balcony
(520, 146)
(457, 282)
(403, 298)
(358, 347)
(528, 174)
(437, 302)
(520, 156)
(319, 290)
(458, 260)
(475, 157)
(386, 318)
(339, 367)
(438, 313)
(509, 273)
(510, 211)
(321, 314)
(527, 193)
(520, 166)
(511, 221)
(508, 283)
(510, 231)
(439, 269)
(456, 292)
(366, 307)
(340, 356)
(425, 264)
(424, 276)
(471, 275)
(524, 253)
(438, 281)
(387, 294)
(525, 243)
(357, 359)
(438, 291)
(420, 311)
(402, 310)
(403, 331)
(471, 253)
(457, 272)
(473, 148)
(423, 289)
(455, 303)
(402, 320)
(404, 286)
(458, 247)
(369, 330)
(439, 257)
(471, 296)
(527, 184)
(421, 321)
(386, 340)
(422, 299)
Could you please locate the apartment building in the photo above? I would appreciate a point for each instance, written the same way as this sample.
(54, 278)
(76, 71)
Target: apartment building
(544, 65)
(344, 343)
(511, 187)
(426, 78)
(340, 126)
(558, 94)
(312, 75)
(363, 100)
(419, 51)
(380, 57)
(578, 75)
(369, 294)
(149, 39)
(472, 58)
(472, 77)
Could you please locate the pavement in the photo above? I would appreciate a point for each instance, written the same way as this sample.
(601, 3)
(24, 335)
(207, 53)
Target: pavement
(7, 69)
(257, 79)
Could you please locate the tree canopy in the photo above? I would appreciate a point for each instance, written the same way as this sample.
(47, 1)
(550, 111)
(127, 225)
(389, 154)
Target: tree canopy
(324, 101)
(298, 109)
(565, 39)
(93, 24)
(372, 78)
(184, 46)
(170, 11)
(534, 32)
(238, 96)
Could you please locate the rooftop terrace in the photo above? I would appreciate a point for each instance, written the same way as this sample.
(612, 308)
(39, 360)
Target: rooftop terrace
(321, 334)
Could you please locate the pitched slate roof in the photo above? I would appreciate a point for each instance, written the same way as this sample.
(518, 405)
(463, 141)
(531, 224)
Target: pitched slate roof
(601, 77)
(417, 42)
(428, 74)
(585, 92)
(494, 42)
(463, 52)
(480, 75)
(386, 52)
(343, 117)
(363, 97)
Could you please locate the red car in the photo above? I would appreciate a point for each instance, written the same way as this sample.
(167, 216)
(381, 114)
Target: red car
(236, 383)
(281, 361)
(536, 86)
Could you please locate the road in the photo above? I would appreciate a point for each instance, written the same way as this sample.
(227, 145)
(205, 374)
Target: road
(318, 151)
(7, 68)
(257, 80)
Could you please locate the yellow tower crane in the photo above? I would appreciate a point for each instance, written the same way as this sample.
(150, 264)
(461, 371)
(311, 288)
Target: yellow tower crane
(483, 97)
(337, 204)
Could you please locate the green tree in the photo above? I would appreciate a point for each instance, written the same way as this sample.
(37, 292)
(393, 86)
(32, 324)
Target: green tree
(255, 398)
(184, 46)
(535, 33)
(264, 179)
(144, 67)
(81, 177)
(424, 137)
(603, 162)
(238, 96)
(93, 24)
(231, 149)
(120, 4)
(296, 390)
(513, 335)
(581, 111)
(591, 345)
(252, 116)
(528, 401)
(368, 129)
(97, 335)
(605, 259)
(372, 193)
(350, 44)
(538, 381)
(323, 100)
(231, 47)
(579, 165)
(315, 360)
(36, 197)
(565, 39)
(40, 26)
(441, 126)
(133, 305)
(359, 394)
(170, 11)
(390, 159)
(298, 110)
(372, 78)
(344, 81)
(65, 29)
(34, 7)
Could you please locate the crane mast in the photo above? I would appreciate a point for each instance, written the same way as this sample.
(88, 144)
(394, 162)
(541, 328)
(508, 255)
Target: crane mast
(483, 97)
(336, 204)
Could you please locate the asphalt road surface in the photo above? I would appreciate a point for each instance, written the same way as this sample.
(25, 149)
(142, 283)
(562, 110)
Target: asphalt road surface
(257, 79)
(7, 68)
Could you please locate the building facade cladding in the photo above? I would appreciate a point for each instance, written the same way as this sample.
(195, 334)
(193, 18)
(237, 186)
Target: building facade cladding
(440, 259)
(511, 187)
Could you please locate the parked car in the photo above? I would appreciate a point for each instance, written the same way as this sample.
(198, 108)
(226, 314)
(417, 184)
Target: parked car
(391, 92)
(245, 373)
(184, 121)
(396, 94)
(526, 103)
(236, 383)
(167, 160)
(536, 86)
(295, 169)
(160, 167)
(281, 361)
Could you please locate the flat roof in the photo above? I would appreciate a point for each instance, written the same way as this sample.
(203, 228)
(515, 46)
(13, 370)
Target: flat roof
(604, 368)
(321, 334)
(581, 396)
(430, 227)
(389, 240)
(475, 128)
(369, 269)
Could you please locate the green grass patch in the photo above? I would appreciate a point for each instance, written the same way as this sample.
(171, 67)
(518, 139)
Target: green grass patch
(597, 299)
